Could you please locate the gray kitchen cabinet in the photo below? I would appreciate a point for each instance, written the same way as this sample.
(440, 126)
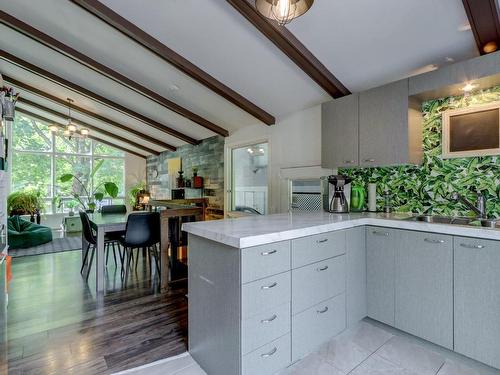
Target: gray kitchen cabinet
(355, 275)
(424, 286)
(339, 132)
(389, 130)
(477, 299)
(381, 245)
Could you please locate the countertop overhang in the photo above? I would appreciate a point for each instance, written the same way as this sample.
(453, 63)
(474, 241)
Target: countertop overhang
(259, 230)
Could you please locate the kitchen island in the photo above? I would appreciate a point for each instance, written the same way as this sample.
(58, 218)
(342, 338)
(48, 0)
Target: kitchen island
(265, 291)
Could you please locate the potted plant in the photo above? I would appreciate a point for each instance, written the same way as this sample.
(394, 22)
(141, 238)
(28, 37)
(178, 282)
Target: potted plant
(134, 192)
(85, 194)
(25, 202)
(71, 205)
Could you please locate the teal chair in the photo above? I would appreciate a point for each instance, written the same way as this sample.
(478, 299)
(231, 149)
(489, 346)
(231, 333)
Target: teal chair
(23, 233)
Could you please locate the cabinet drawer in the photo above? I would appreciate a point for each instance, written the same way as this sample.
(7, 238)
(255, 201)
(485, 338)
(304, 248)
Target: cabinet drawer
(317, 325)
(266, 260)
(265, 327)
(312, 249)
(263, 295)
(317, 282)
(269, 358)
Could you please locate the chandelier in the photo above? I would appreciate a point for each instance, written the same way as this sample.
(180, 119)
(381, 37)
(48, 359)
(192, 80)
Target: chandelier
(71, 131)
(283, 11)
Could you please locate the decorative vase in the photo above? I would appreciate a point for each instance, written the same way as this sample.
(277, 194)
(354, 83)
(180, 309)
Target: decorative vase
(38, 217)
(71, 213)
(180, 180)
(197, 181)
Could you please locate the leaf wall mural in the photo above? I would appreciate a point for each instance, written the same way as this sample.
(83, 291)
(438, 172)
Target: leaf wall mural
(427, 188)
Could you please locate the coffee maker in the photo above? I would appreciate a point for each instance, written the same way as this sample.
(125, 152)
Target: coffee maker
(334, 199)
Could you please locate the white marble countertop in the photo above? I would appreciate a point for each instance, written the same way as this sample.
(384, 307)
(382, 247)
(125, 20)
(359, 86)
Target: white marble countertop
(258, 230)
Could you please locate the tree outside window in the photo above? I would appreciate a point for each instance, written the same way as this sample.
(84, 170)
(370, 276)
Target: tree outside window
(39, 158)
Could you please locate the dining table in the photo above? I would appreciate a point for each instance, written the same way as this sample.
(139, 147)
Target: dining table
(109, 223)
(103, 224)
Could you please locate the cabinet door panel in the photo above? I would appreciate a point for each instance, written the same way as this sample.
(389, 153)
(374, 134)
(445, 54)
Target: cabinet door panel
(424, 286)
(381, 244)
(356, 275)
(383, 125)
(339, 132)
(477, 299)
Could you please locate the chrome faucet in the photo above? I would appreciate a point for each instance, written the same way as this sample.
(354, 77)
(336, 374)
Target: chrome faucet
(479, 208)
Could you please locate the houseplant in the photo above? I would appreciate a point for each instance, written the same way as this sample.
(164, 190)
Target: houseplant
(86, 195)
(25, 202)
(134, 191)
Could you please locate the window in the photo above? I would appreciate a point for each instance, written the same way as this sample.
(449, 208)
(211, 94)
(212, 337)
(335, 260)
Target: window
(39, 158)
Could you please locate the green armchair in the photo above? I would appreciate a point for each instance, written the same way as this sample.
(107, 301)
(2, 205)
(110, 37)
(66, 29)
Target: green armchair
(23, 234)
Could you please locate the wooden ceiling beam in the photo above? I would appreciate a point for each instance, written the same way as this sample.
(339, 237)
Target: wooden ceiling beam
(161, 50)
(61, 126)
(4, 55)
(282, 38)
(86, 112)
(485, 24)
(102, 69)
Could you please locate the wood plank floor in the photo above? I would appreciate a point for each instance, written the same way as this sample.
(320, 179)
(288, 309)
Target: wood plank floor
(56, 325)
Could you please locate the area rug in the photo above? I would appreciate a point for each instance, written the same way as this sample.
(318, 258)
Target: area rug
(57, 245)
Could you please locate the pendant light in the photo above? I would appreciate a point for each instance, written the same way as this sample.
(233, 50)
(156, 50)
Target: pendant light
(283, 11)
(71, 129)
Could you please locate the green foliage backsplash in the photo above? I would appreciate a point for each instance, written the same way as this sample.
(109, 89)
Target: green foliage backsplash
(427, 188)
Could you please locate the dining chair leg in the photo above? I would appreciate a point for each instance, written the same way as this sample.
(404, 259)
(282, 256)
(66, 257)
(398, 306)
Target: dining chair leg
(85, 258)
(130, 254)
(107, 253)
(114, 253)
(90, 263)
(137, 259)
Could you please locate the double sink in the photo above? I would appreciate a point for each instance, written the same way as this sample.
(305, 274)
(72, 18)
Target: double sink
(475, 222)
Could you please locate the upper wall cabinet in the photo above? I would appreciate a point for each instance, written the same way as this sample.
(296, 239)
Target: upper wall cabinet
(377, 127)
(339, 132)
(388, 132)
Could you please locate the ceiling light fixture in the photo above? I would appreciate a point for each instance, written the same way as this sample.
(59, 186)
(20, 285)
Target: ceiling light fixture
(490, 47)
(71, 131)
(469, 87)
(283, 11)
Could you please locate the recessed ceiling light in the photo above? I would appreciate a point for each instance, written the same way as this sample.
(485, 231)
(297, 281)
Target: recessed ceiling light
(490, 47)
(469, 87)
(449, 59)
(464, 27)
(173, 87)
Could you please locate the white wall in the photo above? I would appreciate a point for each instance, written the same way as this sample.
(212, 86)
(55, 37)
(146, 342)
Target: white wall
(135, 172)
(294, 144)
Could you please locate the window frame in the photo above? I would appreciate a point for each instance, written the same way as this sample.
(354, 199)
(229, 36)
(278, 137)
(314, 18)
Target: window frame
(53, 156)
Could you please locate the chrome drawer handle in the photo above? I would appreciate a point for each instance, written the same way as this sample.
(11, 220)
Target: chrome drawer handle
(269, 286)
(322, 268)
(322, 311)
(431, 240)
(322, 241)
(266, 355)
(472, 246)
(378, 233)
(269, 252)
(264, 321)
(369, 160)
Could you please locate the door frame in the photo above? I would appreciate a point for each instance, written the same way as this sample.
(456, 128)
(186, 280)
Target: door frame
(228, 169)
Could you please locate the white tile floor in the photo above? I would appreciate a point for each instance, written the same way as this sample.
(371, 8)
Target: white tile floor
(370, 348)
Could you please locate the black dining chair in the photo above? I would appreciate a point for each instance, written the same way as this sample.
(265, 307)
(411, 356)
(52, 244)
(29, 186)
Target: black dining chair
(142, 231)
(114, 209)
(91, 240)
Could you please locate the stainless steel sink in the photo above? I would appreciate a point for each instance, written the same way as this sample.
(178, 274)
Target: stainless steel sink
(456, 221)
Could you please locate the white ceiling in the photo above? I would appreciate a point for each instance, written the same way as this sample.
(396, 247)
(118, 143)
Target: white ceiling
(364, 43)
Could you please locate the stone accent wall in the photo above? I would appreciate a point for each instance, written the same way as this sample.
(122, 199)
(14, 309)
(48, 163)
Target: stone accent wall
(208, 157)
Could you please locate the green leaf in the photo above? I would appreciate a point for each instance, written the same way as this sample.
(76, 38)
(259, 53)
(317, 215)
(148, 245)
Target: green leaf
(98, 196)
(97, 166)
(66, 177)
(111, 189)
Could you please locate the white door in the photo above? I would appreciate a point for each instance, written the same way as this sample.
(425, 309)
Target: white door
(249, 179)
